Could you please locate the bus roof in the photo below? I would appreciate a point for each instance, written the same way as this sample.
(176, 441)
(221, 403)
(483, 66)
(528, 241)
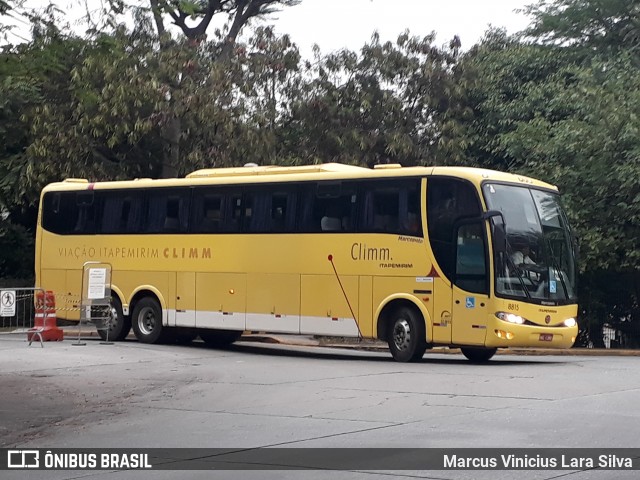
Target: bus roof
(253, 174)
(253, 169)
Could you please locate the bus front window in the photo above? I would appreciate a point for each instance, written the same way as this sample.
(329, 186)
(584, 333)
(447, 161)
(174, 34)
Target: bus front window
(539, 262)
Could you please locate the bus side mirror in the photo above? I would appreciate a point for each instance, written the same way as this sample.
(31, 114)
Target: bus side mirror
(493, 213)
(499, 238)
(498, 229)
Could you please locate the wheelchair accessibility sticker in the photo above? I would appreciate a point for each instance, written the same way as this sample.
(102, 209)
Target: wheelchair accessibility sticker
(470, 302)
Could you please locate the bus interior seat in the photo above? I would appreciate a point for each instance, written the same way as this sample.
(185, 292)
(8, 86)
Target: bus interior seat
(330, 224)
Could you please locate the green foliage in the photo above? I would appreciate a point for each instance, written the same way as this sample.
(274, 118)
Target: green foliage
(16, 254)
(611, 26)
(566, 109)
(574, 124)
(376, 106)
(613, 300)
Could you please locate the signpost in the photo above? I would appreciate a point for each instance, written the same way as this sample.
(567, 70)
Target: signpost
(7, 303)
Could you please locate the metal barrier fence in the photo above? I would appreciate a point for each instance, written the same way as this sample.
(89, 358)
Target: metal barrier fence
(33, 311)
(19, 309)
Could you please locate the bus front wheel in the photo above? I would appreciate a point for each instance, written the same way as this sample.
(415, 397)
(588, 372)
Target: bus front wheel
(478, 354)
(118, 326)
(407, 335)
(147, 321)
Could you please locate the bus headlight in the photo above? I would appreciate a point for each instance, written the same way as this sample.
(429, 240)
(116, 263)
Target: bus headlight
(570, 322)
(510, 317)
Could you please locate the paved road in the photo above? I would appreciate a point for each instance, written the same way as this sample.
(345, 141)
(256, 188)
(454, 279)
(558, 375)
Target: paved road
(259, 395)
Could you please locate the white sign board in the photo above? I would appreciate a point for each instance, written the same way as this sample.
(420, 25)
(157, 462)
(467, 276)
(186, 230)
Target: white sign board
(7, 303)
(97, 283)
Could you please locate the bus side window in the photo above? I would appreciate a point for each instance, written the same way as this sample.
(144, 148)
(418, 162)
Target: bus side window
(283, 212)
(85, 218)
(211, 214)
(307, 221)
(167, 210)
(331, 219)
(269, 211)
(332, 209)
(471, 270)
(394, 209)
(111, 213)
(257, 212)
(233, 212)
(412, 223)
(172, 220)
(60, 212)
(215, 210)
(448, 200)
(132, 222)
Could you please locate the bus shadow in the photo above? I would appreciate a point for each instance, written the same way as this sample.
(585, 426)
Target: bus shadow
(336, 353)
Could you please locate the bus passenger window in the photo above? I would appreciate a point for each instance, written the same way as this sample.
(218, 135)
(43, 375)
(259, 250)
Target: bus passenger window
(168, 211)
(232, 213)
(61, 212)
(391, 208)
(448, 201)
(332, 219)
(332, 209)
(283, 211)
(171, 221)
(212, 214)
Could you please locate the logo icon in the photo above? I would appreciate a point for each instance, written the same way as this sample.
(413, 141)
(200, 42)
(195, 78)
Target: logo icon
(23, 459)
(470, 302)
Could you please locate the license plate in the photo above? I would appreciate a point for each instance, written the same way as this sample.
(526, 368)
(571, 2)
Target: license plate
(546, 337)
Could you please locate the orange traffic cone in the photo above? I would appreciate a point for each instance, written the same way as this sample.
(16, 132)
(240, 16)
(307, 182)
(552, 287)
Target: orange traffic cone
(45, 321)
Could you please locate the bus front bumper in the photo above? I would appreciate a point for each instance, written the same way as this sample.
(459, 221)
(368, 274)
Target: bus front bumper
(505, 334)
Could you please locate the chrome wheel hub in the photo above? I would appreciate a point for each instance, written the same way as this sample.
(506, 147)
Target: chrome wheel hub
(401, 334)
(147, 321)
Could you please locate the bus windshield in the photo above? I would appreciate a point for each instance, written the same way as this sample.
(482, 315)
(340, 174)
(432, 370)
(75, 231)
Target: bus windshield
(539, 261)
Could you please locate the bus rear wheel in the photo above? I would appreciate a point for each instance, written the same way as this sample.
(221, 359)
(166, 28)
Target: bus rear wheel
(118, 326)
(219, 338)
(478, 354)
(147, 321)
(406, 337)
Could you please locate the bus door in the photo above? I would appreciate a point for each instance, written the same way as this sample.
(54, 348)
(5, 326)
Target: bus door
(470, 284)
(458, 240)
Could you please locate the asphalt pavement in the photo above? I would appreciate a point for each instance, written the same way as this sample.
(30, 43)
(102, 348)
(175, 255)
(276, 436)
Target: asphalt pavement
(278, 391)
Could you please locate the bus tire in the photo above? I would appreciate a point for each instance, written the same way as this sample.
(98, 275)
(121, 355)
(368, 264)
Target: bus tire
(147, 321)
(219, 338)
(406, 338)
(478, 354)
(119, 326)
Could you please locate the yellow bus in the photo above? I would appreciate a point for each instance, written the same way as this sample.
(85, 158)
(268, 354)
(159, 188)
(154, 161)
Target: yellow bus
(415, 256)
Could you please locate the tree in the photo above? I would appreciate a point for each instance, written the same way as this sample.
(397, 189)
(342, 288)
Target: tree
(375, 106)
(567, 111)
(604, 25)
(201, 13)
